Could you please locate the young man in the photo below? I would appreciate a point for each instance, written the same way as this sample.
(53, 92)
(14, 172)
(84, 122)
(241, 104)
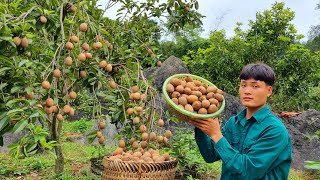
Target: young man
(254, 144)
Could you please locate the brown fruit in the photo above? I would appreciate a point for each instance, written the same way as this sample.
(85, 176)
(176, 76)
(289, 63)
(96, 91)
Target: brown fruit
(136, 120)
(211, 89)
(88, 55)
(165, 140)
(190, 85)
(60, 117)
(187, 91)
(83, 74)
(72, 9)
(135, 89)
(145, 136)
(74, 39)
(166, 157)
(175, 82)
(183, 101)
(130, 111)
(160, 123)
(159, 63)
(136, 96)
(109, 67)
(73, 95)
(167, 134)
(192, 98)
(66, 109)
(110, 47)
(175, 94)
(68, 61)
(57, 73)
(112, 84)
(202, 98)
(43, 19)
(149, 52)
(212, 109)
(83, 27)
(144, 144)
(49, 102)
(220, 91)
(71, 112)
(99, 134)
(82, 57)
(54, 109)
(205, 104)
(175, 100)
(103, 64)
(203, 90)
(45, 85)
(203, 111)
(189, 79)
(85, 46)
(197, 83)
(122, 143)
(132, 140)
(152, 136)
(69, 45)
(16, 41)
(197, 93)
(219, 97)
(210, 95)
(97, 45)
(29, 95)
(24, 42)
(188, 107)
(180, 89)
(102, 124)
(143, 128)
(213, 101)
(101, 140)
(139, 108)
(160, 139)
(48, 110)
(135, 145)
(196, 105)
(170, 88)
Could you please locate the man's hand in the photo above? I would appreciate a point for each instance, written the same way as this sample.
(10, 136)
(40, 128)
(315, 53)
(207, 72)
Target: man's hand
(209, 126)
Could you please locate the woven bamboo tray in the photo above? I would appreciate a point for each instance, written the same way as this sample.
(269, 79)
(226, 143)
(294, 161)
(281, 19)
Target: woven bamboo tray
(125, 170)
(183, 114)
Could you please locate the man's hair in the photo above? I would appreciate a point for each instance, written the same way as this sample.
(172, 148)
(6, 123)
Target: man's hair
(258, 71)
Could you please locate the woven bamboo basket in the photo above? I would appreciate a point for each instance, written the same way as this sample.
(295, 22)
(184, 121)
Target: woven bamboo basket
(183, 114)
(125, 170)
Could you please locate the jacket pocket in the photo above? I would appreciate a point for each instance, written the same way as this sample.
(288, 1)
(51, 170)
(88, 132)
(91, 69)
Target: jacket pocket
(234, 140)
(248, 143)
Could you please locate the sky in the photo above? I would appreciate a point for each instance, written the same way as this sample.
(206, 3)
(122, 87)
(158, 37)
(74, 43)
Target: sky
(224, 14)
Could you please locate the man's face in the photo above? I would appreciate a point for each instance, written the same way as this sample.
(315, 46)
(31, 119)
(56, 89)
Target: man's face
(254, 93)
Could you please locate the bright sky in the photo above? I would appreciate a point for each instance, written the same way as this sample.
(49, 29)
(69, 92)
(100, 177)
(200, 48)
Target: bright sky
(223, 14)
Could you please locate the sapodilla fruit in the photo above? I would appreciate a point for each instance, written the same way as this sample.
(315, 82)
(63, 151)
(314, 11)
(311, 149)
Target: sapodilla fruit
(82, 57)
(66, 108)
(102, 125)
(101, 140)
(97, 45)
(59, 117)
(160, 123)
(103, 64)
(83, 27)
(88, 55)
(135, 89)
(85, 46)
(57, 73)
(43, 19)
(130, 111)
(122, 143)
(68, 61)
(74, 39)
(99, 134)
(45, 85)
(73, 95)
(71, 112)
(109, 67)
(72, 9)
(83, 74)
(112, 84)
(16, 41)
(24, 42)
(49, 102)
(159, 63)
(69, 45)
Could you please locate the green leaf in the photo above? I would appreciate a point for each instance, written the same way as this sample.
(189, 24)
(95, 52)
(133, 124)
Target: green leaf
(15, 89)
(3, 70)
(4, 122)
(19, 126)
(23, 62)
(196, 5)
(3, 85)
(6, 38)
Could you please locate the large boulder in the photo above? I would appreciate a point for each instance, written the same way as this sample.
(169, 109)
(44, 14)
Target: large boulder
(169, 67)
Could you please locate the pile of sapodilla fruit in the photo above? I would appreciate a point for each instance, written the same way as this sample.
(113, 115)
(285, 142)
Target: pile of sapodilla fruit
(194, 95)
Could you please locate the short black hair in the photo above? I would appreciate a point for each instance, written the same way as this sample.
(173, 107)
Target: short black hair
(258, 71)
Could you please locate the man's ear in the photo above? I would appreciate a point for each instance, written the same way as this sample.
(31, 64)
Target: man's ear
(269, 90)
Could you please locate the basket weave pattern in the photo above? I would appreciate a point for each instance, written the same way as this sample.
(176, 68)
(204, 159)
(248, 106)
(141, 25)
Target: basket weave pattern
(123, 170)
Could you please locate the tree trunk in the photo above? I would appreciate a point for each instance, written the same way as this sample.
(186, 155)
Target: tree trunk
(59, 166)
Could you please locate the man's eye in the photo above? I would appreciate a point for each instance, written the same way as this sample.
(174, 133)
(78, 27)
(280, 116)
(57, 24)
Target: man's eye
(255, 86)
(243, 85)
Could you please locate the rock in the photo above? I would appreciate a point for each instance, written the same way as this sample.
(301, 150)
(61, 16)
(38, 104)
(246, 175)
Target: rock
(169, 67)
(10, 138)
(302, 128)
(232, 107)
(76, 138)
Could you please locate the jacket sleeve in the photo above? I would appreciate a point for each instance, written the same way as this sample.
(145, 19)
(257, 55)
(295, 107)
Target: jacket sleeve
(206, 145)
(259, 157)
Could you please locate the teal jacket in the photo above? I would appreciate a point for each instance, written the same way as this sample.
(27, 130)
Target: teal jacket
(257, 148)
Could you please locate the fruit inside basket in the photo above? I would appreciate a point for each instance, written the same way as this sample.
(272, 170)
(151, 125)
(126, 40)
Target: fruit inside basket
(189, 96)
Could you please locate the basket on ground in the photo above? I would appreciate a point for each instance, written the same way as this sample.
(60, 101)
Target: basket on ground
(131, 170)
(183, 114)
